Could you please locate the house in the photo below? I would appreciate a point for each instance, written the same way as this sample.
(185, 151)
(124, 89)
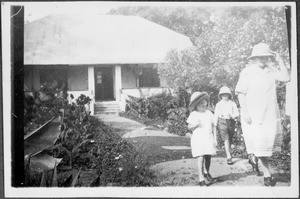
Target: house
(106, 57)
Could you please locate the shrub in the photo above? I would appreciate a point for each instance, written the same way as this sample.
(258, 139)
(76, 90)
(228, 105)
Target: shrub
(238, 148)
(282, 159)
(177, 121)
(86, 143)
(151, 107)
(162, 108)
(37, 111)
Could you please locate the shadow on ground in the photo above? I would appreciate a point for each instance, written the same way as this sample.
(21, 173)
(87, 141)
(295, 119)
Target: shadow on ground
(232, 176)
(152, 150)
(151, 147)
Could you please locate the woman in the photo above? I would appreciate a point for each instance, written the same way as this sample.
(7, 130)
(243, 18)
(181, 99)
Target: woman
(260, 117)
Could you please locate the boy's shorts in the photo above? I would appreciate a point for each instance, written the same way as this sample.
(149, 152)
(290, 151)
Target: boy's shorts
(226, 128)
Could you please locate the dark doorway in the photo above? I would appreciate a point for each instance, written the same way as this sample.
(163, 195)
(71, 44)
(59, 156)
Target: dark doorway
(104, 84)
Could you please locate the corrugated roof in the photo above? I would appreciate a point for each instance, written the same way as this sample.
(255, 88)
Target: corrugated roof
(98, 39)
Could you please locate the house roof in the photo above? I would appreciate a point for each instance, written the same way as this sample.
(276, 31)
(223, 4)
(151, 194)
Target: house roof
(98, 39)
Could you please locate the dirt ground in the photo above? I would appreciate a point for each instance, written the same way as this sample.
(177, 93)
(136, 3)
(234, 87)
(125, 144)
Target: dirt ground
(184, 173)
(171, 160)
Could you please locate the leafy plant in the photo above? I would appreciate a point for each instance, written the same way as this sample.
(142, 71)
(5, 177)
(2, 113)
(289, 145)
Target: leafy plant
(155, 106)
(37, 112)
(177, 121)
(86, 143)
(238, 148)
(46, 178)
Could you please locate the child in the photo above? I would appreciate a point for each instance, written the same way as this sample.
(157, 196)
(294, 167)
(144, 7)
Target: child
(203, 140)
(225, 113)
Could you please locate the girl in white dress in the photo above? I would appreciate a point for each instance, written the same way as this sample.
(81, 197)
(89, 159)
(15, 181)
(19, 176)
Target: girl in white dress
(260, 121)
(203, 140)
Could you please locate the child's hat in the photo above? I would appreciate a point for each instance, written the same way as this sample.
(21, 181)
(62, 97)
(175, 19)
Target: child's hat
(197, 97)
(225, 90)
(261, 50)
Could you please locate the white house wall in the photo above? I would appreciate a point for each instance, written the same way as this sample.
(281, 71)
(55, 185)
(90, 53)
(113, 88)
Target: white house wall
(81, 80)
(118, 82)
(91, 78)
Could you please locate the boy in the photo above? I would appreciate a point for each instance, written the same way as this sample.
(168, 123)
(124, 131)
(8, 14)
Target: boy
(225, 113)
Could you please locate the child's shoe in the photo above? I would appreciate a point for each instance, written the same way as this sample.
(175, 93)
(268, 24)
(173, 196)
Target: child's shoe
(208, 177)
(229, 161)
(253, 160)
(202, 183)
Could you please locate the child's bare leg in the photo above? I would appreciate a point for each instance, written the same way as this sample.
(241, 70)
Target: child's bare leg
(200, 161)
(227, 148)
(207, 160)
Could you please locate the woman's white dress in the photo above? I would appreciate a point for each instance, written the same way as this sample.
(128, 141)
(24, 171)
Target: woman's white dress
(263, 134)
(202, 140)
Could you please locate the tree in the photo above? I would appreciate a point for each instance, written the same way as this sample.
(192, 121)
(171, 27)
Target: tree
(222, 48)
(222, 39)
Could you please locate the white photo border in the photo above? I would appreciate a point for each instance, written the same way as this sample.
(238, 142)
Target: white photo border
(176, 192)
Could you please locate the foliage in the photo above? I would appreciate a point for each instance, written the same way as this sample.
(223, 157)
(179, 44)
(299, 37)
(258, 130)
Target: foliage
(38, 111)
(155, 106)
(46, 178)
(223, 38)
(238, 148)
(170, 108)
(223, 46)
(177, 121)
(86, 143)
(93, 145)
(282, 159)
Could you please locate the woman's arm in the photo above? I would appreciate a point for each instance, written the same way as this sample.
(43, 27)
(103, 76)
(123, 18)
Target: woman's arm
(235, 111)
(215, 135)
(283, 73)
(245, 114)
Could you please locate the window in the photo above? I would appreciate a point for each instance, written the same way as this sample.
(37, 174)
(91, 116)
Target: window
(28, 78)
(78, 78)
(149, 78)
(54, 78)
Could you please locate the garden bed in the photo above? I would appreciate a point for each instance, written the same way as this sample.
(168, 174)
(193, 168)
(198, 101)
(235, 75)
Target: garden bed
(87, 153)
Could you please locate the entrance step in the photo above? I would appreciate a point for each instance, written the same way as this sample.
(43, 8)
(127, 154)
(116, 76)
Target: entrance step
(107, 107)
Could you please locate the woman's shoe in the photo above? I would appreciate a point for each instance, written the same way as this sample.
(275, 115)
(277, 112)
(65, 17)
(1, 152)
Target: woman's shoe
(202, 183)
(253, 160)
(268, 181)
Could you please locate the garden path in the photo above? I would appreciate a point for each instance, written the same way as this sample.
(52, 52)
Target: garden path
(172, 162)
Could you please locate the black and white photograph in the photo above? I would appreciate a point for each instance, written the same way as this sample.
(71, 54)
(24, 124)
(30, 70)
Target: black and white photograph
(149, 99)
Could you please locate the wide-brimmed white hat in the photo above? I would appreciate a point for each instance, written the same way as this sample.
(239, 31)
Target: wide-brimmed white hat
(197, 97)
(261, 50)
(225, 90)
